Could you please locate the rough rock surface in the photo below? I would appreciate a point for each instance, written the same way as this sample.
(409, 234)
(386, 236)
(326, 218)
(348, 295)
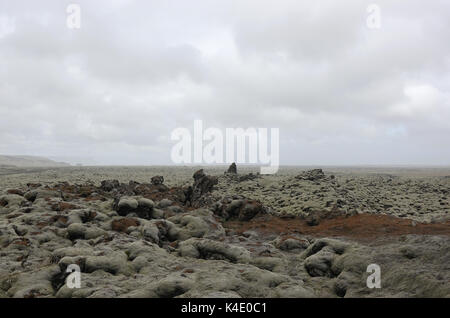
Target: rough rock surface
(203, 185)
(232, 168)
(138, 239)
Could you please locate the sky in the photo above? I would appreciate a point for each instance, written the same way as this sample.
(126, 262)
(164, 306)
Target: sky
(341, 91)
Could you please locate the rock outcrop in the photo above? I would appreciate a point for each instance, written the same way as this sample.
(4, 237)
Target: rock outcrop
(312, 175)
(232, 169)
(203, 184)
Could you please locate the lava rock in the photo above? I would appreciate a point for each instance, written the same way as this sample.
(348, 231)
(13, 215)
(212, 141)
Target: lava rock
(232, 169)
(157, 180)
(109, 185)
(142, 207)
(312, 175)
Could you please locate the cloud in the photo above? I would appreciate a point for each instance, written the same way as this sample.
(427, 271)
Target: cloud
(340, 93)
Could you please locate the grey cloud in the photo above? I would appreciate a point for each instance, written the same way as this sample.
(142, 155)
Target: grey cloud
(339, 92)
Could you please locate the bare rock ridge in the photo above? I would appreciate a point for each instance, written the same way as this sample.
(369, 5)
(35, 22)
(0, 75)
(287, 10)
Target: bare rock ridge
(29, 161)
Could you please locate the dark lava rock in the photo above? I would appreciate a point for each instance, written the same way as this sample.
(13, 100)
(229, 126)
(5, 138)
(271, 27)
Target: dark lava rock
(30, 196)
(241, 209)
(312, 175)
(315, 217)
(232, 169)
(133, 184)
(202, 185)
(142, 207)
(15, 191)
(250, 209)
(109, 185)
(249, 176)
(157, 180)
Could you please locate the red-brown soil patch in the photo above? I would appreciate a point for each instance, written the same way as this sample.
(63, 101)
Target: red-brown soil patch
(123, 224)
(59, 218)
(94, 198)
(172, 194)
(361, 226)
(72, 191)
(15, 191)
(22, 241)
(188, 271)
(42, 224)
(88, 217)
(63, 206)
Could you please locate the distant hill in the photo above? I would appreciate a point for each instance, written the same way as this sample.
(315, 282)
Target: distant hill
(29, 161)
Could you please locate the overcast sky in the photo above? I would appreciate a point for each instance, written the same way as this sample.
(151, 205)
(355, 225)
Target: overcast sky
(340, 92)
